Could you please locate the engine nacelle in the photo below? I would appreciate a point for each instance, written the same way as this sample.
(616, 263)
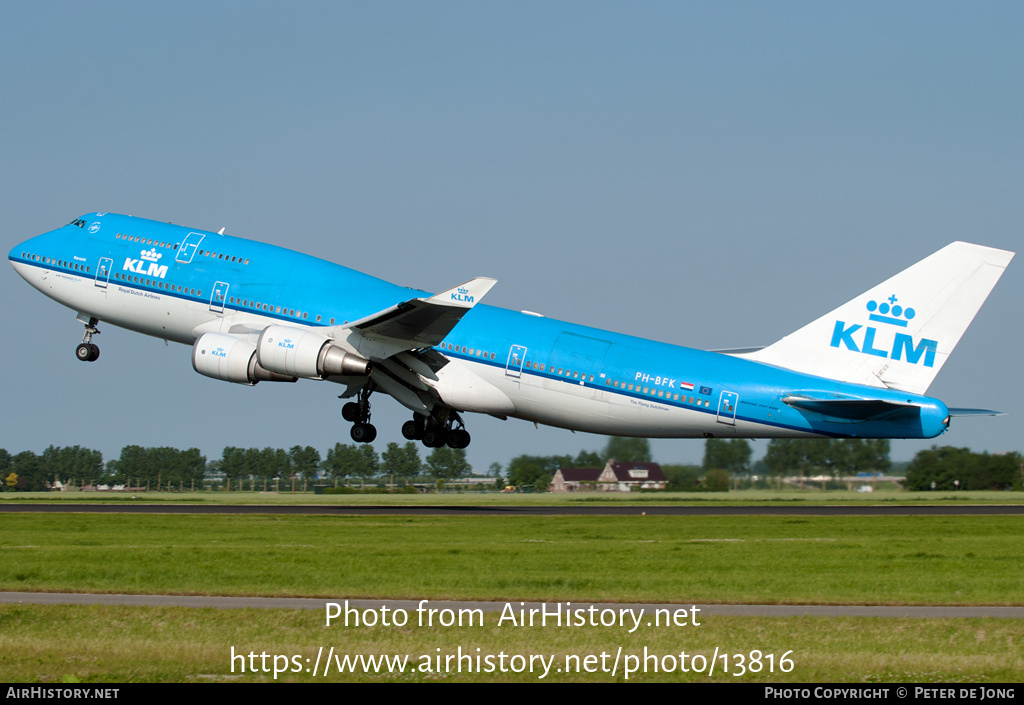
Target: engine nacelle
(302, 353)
(231, 359)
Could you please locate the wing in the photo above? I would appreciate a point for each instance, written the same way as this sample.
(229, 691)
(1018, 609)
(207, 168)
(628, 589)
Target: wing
(393, 344)
(398, 341)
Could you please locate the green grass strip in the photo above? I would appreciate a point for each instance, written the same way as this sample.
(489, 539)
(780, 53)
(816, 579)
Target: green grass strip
(837, 560)
(71, 644)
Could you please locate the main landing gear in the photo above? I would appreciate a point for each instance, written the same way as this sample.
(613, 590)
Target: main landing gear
(359, 412)
(88, 351)
(444, 427)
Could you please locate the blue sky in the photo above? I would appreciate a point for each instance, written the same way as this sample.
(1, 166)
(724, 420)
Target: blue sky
(706, 174)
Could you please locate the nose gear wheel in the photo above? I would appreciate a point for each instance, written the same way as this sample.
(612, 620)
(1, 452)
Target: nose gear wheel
(88, 351)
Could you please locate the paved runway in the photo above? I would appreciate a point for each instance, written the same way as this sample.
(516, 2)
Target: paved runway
(912, 611)
(507, 510)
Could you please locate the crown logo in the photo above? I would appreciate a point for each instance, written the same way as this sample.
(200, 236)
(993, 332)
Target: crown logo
(463, 290)
(888, 311)
(151, 255)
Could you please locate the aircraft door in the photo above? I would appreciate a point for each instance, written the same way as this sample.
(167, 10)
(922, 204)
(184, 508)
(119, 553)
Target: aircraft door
(218, 297)
(188, 248)
(516, 358)
(103, 272)
(727, 408)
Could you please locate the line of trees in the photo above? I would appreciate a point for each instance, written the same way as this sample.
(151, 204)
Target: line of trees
(343, 463)
(949, 468)
(803, 457)
(29, 472)
(156, 468)
(171, 468)
(944, 468)
(819, 456)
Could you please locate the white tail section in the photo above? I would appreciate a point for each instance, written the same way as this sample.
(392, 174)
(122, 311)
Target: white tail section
(898, 334)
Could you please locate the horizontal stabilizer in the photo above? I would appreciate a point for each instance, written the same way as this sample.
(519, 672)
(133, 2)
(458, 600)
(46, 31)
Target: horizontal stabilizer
(975, 412)
(849, 409)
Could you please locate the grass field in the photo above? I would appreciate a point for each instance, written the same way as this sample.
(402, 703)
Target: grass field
(894, 560)
(151, 644)
(781, 559)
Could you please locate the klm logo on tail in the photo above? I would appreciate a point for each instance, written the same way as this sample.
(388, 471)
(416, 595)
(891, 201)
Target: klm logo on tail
(869, 340)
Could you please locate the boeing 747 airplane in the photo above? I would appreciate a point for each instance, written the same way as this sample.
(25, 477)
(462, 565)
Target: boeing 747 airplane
(253, 313)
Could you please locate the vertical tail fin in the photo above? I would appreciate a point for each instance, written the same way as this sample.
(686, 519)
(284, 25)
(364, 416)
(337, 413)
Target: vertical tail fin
(897, 334)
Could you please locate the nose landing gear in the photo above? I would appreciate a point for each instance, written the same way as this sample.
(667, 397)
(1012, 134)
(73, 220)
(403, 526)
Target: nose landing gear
(87, 351)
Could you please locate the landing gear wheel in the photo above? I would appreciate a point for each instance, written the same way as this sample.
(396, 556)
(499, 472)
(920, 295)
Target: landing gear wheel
(412, 431)
(458, 439)
(434, 438)
(87, 352)
(363, 432)
(350, 412)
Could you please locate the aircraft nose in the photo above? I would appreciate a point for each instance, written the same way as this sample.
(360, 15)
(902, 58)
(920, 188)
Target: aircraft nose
(25, 253)
(17, 254)
(19, 258)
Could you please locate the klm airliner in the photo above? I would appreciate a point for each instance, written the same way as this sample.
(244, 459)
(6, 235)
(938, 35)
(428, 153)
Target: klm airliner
(253, 313)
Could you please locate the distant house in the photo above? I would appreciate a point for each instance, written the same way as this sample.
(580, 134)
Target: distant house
(614, 477)
(575, 480)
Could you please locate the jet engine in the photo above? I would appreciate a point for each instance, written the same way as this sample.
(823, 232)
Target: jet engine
(302, 353)
(232, 360)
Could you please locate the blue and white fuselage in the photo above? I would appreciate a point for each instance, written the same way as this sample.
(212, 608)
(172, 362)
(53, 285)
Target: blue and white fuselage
(253, 312)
